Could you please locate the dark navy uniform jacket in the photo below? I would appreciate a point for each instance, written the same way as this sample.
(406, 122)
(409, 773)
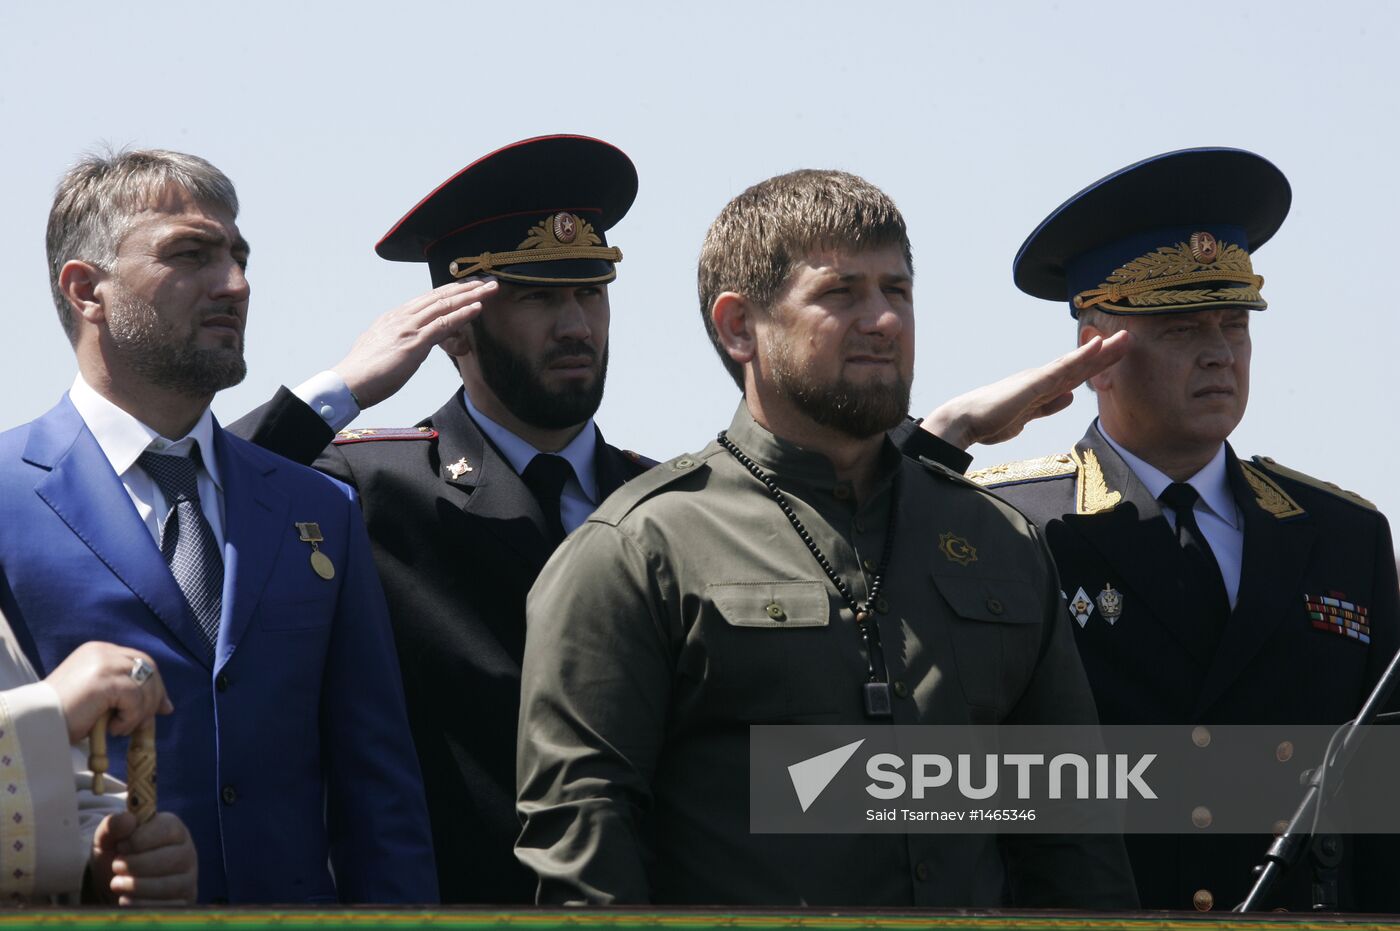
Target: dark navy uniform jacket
(458, 540)
(1302, 540)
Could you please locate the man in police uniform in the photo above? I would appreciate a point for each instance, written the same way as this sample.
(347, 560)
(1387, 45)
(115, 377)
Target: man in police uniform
(689, 607)
(1205, 589)
(464, 509)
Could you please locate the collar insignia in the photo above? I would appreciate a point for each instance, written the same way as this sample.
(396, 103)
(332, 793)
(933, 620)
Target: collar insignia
(1094, 496)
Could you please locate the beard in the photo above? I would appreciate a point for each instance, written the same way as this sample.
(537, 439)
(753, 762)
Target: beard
(153, 350)
(857, 410)
(517, 381)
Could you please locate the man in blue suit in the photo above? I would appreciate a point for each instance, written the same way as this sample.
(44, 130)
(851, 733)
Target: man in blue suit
(128, 514)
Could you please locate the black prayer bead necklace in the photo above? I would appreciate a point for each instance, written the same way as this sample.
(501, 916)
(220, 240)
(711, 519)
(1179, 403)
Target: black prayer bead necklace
(876, 690)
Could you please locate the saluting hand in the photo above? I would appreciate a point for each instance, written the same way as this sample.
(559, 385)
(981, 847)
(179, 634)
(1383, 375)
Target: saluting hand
(997, 412)
(386, 355)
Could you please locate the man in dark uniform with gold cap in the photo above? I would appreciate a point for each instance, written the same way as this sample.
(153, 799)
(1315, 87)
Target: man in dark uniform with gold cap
(464, 508)
(1205, 589)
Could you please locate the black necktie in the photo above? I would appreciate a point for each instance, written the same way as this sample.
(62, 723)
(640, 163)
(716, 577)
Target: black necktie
(546, 476)
(186, 539)
(1205, 588)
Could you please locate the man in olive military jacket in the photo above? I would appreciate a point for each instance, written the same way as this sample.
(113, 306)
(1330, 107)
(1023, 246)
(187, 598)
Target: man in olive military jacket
(653, 641)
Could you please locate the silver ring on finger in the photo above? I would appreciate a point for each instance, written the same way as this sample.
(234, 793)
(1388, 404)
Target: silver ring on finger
(141, 669)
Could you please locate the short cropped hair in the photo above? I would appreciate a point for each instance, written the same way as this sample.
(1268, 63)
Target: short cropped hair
(99, 197)
(760, 236)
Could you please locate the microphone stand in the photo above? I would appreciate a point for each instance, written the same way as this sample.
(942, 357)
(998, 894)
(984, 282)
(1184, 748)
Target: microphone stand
(1289, 846)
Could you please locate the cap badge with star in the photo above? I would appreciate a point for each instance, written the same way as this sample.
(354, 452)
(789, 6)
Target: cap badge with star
(1171, 234)
(533, 212)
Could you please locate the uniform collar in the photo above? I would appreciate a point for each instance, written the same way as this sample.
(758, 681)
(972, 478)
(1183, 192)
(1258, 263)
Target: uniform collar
(779, 457)
(123, 437)
(580, 451)
(1211, 482)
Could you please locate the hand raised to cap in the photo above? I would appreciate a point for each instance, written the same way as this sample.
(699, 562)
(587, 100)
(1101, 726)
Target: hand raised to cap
(997, 412)
(385, 356)
(99, 677)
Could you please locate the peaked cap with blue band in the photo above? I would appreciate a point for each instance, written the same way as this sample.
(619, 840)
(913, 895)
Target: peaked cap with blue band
(1170, 234)
(533, 212)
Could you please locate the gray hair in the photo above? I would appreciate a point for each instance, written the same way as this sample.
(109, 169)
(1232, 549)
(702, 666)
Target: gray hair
(1108, 323)
(99, 197)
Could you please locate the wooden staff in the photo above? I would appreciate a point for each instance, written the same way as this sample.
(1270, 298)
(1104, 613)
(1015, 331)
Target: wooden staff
(97, 753)
(141, 772)
(140, 767)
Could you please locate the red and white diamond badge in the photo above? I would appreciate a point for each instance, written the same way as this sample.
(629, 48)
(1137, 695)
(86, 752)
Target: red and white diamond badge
(565, 227)
(1081, 607)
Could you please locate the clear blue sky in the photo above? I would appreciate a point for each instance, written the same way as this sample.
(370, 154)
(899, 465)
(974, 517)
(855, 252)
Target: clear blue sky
(334, 119)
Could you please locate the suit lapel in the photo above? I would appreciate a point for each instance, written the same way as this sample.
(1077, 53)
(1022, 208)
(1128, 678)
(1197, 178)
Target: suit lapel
(1136, 540)
(87, 495)
(1275, 554)
(256, 519)
(491, 491)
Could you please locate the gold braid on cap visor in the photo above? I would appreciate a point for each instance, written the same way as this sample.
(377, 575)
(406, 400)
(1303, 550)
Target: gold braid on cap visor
(1152, 284)
(543, 245)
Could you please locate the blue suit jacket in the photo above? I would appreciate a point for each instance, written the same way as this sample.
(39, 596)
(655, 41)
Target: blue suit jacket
(292, 751)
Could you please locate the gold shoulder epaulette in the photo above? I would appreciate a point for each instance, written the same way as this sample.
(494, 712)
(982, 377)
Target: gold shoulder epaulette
(1024, 471)
(373, 434)
(1337, 491)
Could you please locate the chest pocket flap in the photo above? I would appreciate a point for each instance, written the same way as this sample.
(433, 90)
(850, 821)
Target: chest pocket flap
(771, 604)
(1004, 601)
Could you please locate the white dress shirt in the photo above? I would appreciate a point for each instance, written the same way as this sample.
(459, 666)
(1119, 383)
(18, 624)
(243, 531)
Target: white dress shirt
(123, 439)
(580, 496)
(1216, 512)
(329, 396)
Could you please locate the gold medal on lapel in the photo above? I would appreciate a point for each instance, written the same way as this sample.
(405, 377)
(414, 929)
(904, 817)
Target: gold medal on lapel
(320, 563)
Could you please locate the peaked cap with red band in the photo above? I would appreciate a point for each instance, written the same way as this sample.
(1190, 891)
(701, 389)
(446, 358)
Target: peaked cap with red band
(534, 212)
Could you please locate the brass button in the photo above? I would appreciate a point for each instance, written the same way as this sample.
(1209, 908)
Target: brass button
(776, 612)
(994, 605)
(1204, 900)
(1284, 753)
(1201, 816)
(867, 565)
(685, 462)
(842, 492)
(901, 689)
(1200, 736)
(882, 605)
(922, 872)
